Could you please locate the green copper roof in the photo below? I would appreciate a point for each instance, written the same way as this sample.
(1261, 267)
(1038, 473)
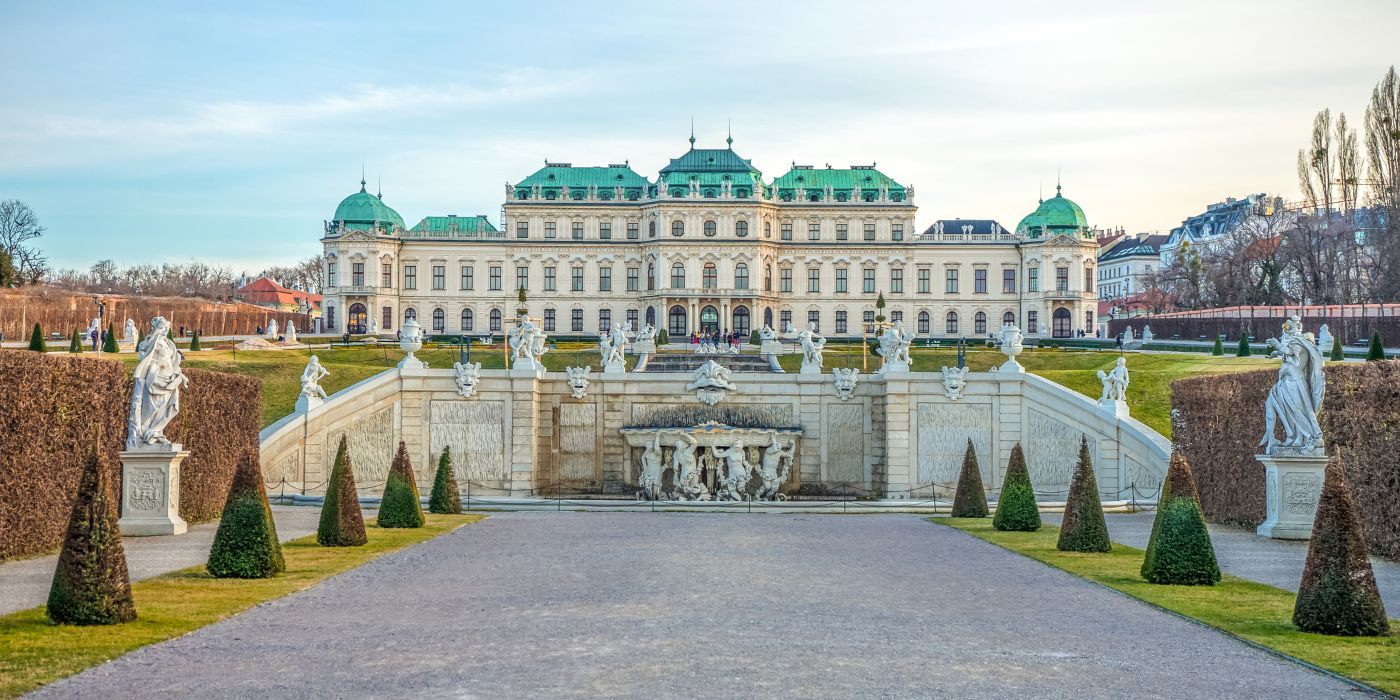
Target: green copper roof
(843, 182)
(1054, 215)
(710, 169)
(714, 160)
(362, 209)
(553, 177)
(453, 225)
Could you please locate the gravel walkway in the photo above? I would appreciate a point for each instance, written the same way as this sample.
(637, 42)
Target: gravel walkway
(681, 605)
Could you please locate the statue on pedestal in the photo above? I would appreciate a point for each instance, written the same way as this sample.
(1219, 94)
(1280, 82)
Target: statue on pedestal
(527, 344)
(272, 329)
(894, 348)
(1115, 382)
(311, 379)
(129, 333)
(155, 394)
(1296, 398)
(812, 345)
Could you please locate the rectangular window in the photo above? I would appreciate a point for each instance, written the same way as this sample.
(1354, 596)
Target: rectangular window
(577, 277)
(410, 276)
(814, 231)
(522, 229)
(388, 318)
(923, 322)
(439, 277)
(605, 231)
(870, 231)
(578, 230)
(330, 282)
(896, 232)
(632, 317)
(550, 281)
(785, 232)
(1089, 322)
(604, 320)
(605, 279)
(868, 318)
(1033, 279)
(1088, 278)
(357, 274)
(576, 321)
(784, 319)
(386, 275)
(549, 320)
(925, 280)
(814, 317)
(1031, 317)
(867, 283)
(897, 316)
(549, 229)
(841, 280)
(633, 278)
(1062, 279)
(841, 233)
(1008, 281)
(468, 277)
(896, 280)
(634, 231)
(785, 280)
(951, 283)
(495, 320)
(979, 281)
(495, 278)
(814, 280)
(522, 277)
(840, 321)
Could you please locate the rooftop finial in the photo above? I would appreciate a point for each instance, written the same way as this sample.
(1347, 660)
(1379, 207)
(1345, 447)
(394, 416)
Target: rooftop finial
(729, 138)
(692, 132)
(380, 187)
(1057, 181)
(1040, 195)
(362, 176)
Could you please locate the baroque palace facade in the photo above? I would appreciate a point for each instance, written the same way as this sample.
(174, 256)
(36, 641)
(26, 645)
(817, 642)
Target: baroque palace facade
(708, 245)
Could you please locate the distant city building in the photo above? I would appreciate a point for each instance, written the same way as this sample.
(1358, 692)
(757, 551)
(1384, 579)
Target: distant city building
(1218, 220)
(269, 294)
(1125, 262)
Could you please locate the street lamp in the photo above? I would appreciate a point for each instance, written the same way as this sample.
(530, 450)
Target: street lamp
(101, 312)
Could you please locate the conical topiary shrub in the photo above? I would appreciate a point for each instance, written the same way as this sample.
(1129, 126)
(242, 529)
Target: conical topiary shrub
(445, 498)
(342, 523)
(1377, 350)
(1219, 348)
(1243, 350)
(1180, 551)
(1337, 354)
(400, 507)
(970, 501)
(194, 342)
(246, 545)
(1083, 528)
(36, 340)
(1338, 593)
(90, 584)
(1016, 509)
(75, 344)
(109, 344)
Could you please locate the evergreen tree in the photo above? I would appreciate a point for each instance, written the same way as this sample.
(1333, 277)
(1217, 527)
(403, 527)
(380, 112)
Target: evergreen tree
(75, 344)
(109, 344)
(1219, 348)
(970, 501)
(755, 339)
(445, 498)
(1337, 353)
(1180, 551)
(1016, 508)
(400, 506)
(1243, 350)
(661, 338)
(194, 342)
(1338, 592)
(342, 523)
(1083, 528)
(1377, 350)
(90, 584)
(36, 340)
(246, 545)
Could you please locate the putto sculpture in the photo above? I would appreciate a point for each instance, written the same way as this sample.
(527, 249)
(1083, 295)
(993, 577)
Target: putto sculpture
(954, 382)
(711, 381)
(613, 348)
(468, 375)
(812, 345)
(578, 380)
(1296, 398)
(155, 393)
(845, 381)
(1115, 382)
(527, 345)
(894, 348)
(311, 379)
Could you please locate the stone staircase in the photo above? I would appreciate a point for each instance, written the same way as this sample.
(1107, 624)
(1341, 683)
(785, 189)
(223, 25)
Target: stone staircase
(689, 362)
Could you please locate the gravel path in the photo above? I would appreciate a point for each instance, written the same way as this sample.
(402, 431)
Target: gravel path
(681, 605)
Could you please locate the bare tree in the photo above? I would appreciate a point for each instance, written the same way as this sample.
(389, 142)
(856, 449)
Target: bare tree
(18, 227)
(1382, 129)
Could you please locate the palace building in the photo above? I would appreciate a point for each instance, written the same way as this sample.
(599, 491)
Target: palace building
(709, 244)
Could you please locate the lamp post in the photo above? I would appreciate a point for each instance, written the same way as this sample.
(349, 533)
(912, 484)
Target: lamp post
(101, 303)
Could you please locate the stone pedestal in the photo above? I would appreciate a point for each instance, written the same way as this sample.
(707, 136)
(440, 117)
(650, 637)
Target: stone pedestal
(526, 368)
(810, 368)
(614, 369)
(892, 367)
(1117, 409)
(770, 347)
(151, 492)
(644, 348)
(1011, 365)
(410, 362)
(306, 404)
(1292, 487)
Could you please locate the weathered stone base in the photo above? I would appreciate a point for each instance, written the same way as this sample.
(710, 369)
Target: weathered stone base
(151, 492)
(1293, 485)
(1117, 409)
(308, 403)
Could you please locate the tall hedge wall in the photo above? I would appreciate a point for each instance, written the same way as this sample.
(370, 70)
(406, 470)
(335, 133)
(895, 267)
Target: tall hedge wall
(1218, 420)
(51, 407)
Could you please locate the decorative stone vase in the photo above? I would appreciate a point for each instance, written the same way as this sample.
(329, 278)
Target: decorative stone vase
(411, 341)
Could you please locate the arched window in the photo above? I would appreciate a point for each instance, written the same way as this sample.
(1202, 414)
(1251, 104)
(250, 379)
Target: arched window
(768, 317)
(1060, 323)
(677, 228)
(767, 229)
(741, 277)
(741, 320)
(410, 312)
(711, 228)
(741, 229)
(651, 229)
(979, 323)
(950, 323)
(709, 277)
(439, 320)
(466, 320)
(651, 315)
(495, 320)
(676, 318)
(677, 276)
(923, 322)
(1008, 319)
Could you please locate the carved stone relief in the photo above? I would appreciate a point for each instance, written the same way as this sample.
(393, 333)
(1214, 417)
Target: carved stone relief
(578, 441)
(1300, 492)
(286, 469)
(473, 430)
(369, 443)
(944, 430)
(845, 442)
(1052, 451)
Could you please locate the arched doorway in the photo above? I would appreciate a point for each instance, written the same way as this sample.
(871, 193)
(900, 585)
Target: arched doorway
(359, 319)
(676, 322)
(768, 317)
(741, 320)
(1061, 327)
(709, 319)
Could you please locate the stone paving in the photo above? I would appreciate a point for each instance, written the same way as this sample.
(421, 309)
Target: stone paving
(25, 583)
(702, 605)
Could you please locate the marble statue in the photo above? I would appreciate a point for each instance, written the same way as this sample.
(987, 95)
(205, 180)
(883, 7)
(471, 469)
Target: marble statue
(1296, 398)
(614, 348)
(812, 345)
(767, 334)
(1010, 341)
(291, 332)
(737, 471)
(770, 345)
(155, 393)
(272, 329)
(845, 381)
(129, 333)
(647, 334)
(468, 375)
(1115, 382)
(94, 327)
(1147, 334)
(373, 328)
(578, 380)
(954, 382)
(686, 470)
(774, 467)
(894, 348)
(527, 344)
(650, 476)
(1324, 339)
(711, 381)
(311, 378)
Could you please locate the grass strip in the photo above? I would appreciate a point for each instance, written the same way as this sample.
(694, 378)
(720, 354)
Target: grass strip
(34, 652)
(1251, 611)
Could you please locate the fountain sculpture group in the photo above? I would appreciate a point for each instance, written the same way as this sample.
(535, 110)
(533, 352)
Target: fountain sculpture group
(712, 461)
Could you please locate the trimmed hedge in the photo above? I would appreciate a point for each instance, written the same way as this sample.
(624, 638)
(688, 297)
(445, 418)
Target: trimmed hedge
(1016, 508)
(1337, 353)
(1338, 593)
(1243, 349)
(1180, 551)
(970, 500)
(342, 524)
(109, 344)
(1218, 420)
(36, 340)
(1376, 351)
(1219, 348)
(399, 507)
(445, 498)
(246, 545)
(91, 585)
(1083, 528)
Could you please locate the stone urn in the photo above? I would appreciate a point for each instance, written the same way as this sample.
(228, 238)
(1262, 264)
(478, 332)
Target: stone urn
(1010, 341)
(411, 341)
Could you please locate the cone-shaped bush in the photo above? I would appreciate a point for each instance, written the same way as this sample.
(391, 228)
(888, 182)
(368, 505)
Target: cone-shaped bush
(75, 344)
(1243, 350)
(90, 584)
(1377, 350)
(1180, 551)
(445, 497)
(1219, 348)
(1338, 593)
(342, 523)
(109, 344)
(970, 501)
(194, 342)
(1016, 509)
(36, 340)
(1337, 354)
(1083, 528)
(400, 506)
(246, 545)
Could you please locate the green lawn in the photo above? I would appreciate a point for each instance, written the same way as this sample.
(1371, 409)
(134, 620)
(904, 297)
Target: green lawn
(1245, 609)
(34, 652)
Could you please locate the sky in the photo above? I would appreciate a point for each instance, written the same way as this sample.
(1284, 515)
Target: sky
(167, 132)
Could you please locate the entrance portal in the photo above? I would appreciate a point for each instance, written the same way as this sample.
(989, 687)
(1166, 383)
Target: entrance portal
(359, 319)
(1061, 327)
(709, 319)
(741, 320)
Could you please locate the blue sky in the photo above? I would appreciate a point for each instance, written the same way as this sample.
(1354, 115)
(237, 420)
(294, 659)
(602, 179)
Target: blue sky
(152, 132)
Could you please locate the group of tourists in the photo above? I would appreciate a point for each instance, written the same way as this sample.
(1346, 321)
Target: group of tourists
(711, 340)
